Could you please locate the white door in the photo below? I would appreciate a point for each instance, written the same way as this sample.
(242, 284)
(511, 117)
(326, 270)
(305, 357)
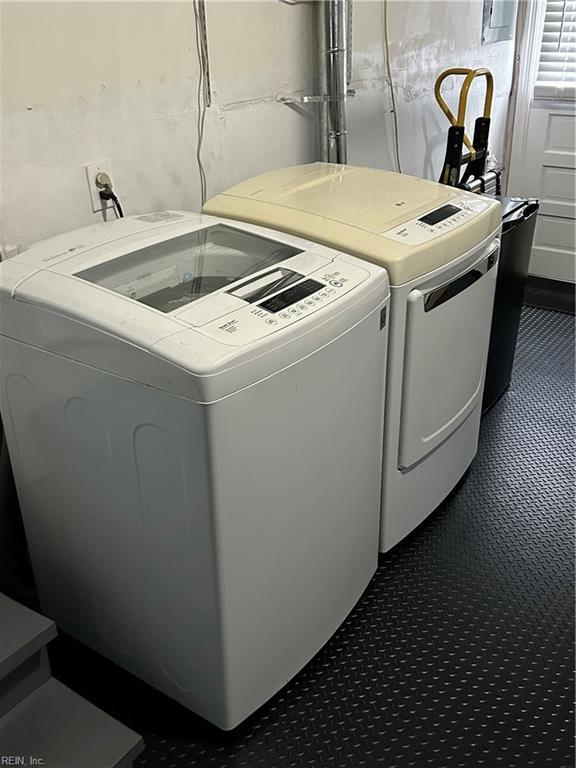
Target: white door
(543, 157)
(548, 173)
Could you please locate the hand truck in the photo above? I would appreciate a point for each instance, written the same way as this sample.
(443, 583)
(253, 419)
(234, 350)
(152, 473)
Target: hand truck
(474, 178)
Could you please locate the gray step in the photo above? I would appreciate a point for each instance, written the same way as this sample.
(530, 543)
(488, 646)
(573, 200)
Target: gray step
(55, 725)
(19, 683)
(23, 658)
(22, 634)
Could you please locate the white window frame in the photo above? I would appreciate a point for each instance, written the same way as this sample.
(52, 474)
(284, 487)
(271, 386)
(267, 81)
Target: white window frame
(550, 91)
(529, 56)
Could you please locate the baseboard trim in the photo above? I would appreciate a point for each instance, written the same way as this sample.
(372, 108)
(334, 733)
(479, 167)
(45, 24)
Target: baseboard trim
(550, 294)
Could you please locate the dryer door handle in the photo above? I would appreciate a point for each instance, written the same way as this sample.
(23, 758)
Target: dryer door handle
(443, 293)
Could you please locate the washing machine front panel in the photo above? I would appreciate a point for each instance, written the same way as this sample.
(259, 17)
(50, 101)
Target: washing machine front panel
(210, 549)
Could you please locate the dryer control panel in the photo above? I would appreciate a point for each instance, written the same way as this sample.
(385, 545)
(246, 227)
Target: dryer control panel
(286, 307)
(437, 222)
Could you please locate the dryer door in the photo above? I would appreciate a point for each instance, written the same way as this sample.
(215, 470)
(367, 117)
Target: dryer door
(447, 334)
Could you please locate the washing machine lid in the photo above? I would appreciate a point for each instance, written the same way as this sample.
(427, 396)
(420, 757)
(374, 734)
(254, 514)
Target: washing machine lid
(177, 272)
(208, 295)
(408, 225)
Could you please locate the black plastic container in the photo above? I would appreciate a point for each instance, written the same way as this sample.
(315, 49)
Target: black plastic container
(518, 222)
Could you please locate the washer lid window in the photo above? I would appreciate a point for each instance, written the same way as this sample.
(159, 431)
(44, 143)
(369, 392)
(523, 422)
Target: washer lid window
(174, 273)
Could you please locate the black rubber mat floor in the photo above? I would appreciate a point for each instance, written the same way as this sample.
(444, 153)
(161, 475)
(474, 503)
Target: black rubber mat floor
(460, 653)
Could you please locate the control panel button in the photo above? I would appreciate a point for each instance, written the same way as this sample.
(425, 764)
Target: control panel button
(336, 283)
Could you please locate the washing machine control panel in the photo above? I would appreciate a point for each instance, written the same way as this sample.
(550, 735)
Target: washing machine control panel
(296, 293)
(438, 222)
(286, 307)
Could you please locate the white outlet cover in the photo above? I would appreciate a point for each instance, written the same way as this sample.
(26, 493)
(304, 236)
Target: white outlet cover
(92, 170)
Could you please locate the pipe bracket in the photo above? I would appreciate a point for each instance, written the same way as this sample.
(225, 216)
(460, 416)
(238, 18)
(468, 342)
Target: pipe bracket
(313, 99)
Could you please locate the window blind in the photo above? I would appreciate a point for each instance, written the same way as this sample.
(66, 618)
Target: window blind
(557, 63)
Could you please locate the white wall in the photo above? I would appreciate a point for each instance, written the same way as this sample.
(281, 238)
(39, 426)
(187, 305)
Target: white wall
(118, 80)
(425, 39)
(91, 80)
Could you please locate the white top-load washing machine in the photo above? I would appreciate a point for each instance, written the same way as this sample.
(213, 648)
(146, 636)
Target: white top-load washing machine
(440, 247)
(194, 414)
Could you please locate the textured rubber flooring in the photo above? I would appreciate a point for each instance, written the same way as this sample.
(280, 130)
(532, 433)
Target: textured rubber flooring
(460, 652)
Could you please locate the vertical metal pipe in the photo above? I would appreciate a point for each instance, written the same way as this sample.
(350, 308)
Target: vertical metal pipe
(322, 82)
(206, 86)
(332, 30)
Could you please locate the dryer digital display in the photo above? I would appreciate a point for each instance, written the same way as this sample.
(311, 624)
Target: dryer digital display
(434, 217)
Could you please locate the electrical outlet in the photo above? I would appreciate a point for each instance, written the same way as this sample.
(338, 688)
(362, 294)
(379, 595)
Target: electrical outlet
(92, 170)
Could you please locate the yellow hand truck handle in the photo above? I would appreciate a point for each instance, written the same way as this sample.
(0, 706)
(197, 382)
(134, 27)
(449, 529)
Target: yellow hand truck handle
(471, 74)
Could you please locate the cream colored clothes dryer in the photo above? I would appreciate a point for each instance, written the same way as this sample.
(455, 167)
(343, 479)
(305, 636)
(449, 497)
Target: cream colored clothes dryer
(440, 248)
(193, 410)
